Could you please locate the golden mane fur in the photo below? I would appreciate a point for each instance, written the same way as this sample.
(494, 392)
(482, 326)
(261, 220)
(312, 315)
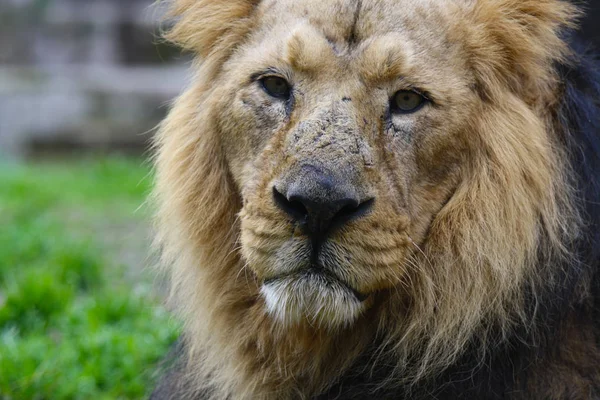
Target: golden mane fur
(506, 201)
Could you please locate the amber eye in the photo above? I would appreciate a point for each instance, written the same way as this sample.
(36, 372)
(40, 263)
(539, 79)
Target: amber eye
(276, 86)
(406, 101)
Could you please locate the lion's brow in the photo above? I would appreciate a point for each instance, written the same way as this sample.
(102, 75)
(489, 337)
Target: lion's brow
(384, 59)
(307, 49)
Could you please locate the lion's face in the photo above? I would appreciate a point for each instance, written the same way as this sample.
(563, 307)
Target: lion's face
(345, 138)
(341, 172)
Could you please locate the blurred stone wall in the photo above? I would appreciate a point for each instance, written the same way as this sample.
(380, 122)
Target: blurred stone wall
(80, 75)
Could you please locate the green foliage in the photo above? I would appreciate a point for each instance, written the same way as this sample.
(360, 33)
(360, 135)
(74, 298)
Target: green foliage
(75, 321)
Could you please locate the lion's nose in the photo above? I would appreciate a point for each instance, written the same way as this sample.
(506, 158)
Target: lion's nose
(319, 201)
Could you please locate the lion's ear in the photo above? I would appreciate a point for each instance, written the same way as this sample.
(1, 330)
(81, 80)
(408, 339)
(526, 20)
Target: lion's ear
(517, 42)
(203, 26)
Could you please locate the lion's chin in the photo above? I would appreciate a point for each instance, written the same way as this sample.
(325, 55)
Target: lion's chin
(314, 298)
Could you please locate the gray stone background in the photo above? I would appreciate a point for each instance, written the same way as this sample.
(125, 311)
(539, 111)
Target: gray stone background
(77, 75)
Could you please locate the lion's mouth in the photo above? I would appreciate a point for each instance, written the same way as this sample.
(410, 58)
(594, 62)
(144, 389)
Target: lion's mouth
(321, 276)
(314, 295)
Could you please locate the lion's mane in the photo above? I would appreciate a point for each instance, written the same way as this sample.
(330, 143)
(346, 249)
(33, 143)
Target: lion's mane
(508, 268)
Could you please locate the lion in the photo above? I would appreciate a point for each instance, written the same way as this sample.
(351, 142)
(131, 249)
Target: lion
(382, 199)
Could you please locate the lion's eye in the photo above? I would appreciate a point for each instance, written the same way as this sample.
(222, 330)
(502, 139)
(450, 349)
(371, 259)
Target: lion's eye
(276, 86)
(406, 101)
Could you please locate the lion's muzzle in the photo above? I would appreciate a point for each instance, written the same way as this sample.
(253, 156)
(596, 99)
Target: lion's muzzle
(320, 201)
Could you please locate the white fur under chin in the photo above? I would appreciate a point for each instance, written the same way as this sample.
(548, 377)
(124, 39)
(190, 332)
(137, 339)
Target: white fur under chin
(321, 302)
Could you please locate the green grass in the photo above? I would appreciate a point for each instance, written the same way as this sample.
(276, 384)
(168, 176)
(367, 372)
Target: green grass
(79, 318)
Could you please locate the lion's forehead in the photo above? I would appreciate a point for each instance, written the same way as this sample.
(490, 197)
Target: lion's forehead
(343, 21)
(379, 40)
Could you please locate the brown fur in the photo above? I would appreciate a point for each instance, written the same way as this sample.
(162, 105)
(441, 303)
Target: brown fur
(469, 190)
(572, 370)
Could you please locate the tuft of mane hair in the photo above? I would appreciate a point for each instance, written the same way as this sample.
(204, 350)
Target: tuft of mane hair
(503, 297)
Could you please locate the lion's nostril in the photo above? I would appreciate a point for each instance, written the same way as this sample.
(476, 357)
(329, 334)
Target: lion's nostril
(295, 209)
(352, 211)
(320, 202)
(347, 211)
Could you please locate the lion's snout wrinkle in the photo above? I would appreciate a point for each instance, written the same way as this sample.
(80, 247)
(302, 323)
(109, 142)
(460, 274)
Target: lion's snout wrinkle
(320, 200)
